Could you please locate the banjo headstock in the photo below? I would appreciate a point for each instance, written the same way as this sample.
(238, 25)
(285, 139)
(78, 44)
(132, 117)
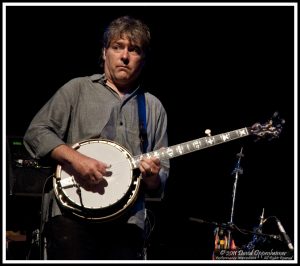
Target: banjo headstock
(271, 129)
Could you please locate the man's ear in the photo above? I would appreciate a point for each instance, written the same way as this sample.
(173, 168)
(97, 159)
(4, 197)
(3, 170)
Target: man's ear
(104, 54)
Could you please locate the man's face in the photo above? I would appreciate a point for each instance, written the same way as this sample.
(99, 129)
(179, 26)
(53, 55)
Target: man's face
(123, 61)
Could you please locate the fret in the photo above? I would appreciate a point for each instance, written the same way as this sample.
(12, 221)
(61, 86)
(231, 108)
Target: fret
(225, 136)
(156, 154)
(170, 151)
(210, 140)
(196, 144)
(179, 149)
(188, 146)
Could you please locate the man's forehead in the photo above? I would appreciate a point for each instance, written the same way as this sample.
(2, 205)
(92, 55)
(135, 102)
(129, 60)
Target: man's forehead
(125, 39)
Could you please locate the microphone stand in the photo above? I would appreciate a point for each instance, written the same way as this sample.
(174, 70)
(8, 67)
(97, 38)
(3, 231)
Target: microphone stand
(237, 171)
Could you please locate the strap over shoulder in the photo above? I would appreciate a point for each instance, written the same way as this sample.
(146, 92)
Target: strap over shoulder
(142, 121)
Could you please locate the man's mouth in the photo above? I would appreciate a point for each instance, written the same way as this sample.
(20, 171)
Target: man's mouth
(123, 67)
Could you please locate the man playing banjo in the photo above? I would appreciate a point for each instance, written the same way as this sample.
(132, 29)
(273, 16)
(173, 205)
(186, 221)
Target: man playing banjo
(92, 127)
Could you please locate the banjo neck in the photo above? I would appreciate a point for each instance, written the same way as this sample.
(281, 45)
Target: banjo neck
(193, 145)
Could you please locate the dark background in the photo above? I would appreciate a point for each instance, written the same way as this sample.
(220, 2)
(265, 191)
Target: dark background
(219, 67)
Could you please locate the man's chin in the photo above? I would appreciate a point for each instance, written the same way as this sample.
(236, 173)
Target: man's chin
(123, 78)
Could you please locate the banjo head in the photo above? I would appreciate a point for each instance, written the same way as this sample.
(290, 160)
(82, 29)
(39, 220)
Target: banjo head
(108, 198)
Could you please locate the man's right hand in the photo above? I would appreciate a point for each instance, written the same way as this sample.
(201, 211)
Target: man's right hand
(89, 170)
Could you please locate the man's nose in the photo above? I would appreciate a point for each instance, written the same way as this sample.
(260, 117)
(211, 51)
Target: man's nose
(125, 56)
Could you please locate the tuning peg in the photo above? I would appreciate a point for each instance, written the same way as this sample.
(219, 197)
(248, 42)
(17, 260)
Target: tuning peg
(208, 132)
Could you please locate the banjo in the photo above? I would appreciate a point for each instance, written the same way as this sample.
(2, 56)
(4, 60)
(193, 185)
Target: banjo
(113, 197)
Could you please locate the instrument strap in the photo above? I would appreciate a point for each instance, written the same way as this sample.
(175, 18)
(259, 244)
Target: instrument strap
(142, 121)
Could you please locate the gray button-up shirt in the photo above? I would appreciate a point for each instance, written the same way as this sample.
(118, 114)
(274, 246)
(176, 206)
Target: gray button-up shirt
(85, 108)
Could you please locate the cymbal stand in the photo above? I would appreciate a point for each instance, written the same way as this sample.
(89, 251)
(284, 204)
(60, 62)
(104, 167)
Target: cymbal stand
(237, 171)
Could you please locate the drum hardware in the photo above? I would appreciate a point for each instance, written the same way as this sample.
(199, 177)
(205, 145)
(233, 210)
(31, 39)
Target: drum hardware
(35, 242)
(237, 171)
(223, 231)
(258, 236)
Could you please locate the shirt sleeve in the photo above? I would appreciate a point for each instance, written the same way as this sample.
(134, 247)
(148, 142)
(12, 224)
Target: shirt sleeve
(47, 129)
(160, 140)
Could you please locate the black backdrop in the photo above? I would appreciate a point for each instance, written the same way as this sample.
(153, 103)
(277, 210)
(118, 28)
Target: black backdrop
(217, 67)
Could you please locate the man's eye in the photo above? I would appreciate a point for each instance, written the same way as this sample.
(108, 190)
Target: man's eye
(116, 47)
(135, 49)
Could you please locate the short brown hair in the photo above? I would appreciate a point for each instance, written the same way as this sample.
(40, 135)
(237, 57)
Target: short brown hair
(134, 29)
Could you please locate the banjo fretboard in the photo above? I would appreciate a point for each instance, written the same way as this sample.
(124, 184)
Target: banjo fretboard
(193, 145)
